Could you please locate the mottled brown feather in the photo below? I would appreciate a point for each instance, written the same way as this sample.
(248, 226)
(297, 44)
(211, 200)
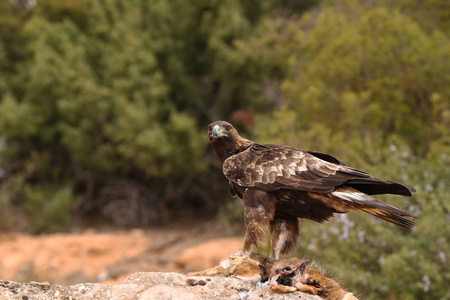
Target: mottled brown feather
(272, 167)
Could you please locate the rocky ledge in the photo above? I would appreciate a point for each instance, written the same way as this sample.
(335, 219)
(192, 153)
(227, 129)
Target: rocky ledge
(148, 286)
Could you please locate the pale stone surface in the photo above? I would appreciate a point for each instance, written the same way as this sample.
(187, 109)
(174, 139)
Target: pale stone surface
(148, 286)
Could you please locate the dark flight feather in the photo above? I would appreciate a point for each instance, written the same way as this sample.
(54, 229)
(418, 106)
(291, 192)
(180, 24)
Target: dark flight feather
(327, 158)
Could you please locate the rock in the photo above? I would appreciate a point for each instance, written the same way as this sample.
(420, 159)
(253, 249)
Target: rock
(148, 286)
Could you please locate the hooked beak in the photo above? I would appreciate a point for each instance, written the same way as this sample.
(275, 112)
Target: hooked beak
(217, 131)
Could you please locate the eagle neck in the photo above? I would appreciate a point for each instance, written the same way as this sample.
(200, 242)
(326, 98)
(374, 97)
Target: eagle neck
(242, 147)
(227, 149)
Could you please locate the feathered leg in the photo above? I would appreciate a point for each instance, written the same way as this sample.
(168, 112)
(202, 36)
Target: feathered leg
(259, 211)
(284, 235)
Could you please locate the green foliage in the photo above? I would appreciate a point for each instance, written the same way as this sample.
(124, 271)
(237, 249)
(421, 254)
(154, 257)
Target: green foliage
(367, 83)
(98, 91)
(371, 73)
(34, 207)
(47, 210)
(431, 14)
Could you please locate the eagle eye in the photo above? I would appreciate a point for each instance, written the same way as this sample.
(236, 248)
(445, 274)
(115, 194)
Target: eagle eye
(209, 128)
(228, 128)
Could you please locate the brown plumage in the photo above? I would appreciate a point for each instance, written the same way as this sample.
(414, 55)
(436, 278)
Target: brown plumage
(280, 184)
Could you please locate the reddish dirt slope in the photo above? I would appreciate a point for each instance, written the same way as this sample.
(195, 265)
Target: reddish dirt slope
(110, 257)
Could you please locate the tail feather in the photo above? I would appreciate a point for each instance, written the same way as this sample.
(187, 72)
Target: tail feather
(376, 207)
(390, 217)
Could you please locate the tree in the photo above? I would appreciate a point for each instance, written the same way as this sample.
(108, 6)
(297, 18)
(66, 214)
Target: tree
(107, 92)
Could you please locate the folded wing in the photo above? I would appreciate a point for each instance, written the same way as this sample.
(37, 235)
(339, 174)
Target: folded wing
(273, 167)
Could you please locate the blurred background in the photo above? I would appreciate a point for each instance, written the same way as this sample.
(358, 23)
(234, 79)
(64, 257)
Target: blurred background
(104, 106)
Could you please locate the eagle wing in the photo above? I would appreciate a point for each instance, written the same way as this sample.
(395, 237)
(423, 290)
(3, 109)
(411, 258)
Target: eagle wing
(272, 167)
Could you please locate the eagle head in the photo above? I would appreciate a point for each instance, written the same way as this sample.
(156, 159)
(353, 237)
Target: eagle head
(225, 139)
(221, 130)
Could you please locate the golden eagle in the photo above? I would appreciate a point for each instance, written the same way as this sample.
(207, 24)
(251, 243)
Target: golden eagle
(280, 184)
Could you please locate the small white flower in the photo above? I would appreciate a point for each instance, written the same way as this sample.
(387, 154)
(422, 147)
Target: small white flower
(427, 282)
